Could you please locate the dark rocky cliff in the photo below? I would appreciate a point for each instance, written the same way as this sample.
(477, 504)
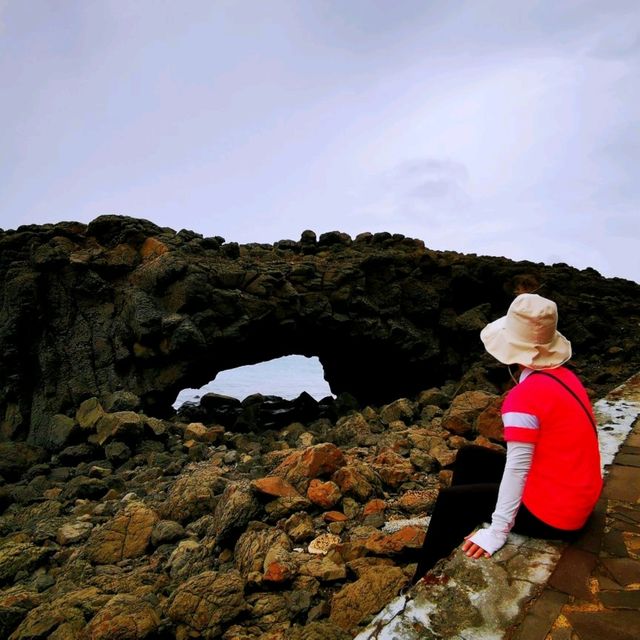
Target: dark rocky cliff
(121, 304)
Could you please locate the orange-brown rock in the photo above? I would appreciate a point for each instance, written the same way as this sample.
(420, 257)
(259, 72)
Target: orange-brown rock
(393, 468)
(324, 494)
(206, 603)
(366, 596)
(123, 617)
(418, 501)
(359, 566)
(334, 516)
(465, 408)
(254, 545)
(278, 572)
(275, 486)
(481, 441)
(125, 536)
(326, 569)
(410, 537)
(489, 422)
(374, 506)
(278, 565)
(199, 432)
(62, 617)
(193, 494)
(152, 248)
(317, 461)
(357, 479)
(444, 456)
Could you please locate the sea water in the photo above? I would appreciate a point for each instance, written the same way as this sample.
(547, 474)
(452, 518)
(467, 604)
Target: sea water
(285, 377)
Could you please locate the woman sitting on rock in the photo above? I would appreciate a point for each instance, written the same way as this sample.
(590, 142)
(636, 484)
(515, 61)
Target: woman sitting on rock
(550, 480)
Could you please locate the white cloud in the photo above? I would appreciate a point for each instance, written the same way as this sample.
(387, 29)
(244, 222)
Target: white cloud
(255, 121)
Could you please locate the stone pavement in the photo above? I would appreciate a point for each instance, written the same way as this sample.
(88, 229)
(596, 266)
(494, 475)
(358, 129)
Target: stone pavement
(537, 590)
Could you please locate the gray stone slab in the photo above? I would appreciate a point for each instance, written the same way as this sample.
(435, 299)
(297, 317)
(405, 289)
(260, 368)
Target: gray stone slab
(624, 571)
(606, 625)
(623, 483)
(540, 617)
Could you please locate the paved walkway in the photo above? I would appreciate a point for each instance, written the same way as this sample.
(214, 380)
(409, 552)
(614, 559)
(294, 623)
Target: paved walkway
(534, 590)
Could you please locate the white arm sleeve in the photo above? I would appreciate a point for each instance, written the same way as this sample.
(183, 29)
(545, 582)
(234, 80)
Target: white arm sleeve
(519, 456)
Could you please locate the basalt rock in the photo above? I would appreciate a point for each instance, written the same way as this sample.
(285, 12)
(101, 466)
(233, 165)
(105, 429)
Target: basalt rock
(266, 538)
(128, 312)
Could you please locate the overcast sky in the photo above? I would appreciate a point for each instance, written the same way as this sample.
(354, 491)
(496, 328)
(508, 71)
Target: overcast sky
(495, 127)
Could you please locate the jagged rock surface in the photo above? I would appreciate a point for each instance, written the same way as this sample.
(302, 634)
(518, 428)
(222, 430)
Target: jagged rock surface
(295, 537)
(254, 519)
(122, 306)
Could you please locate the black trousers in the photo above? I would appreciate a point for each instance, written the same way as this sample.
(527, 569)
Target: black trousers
(469, 501)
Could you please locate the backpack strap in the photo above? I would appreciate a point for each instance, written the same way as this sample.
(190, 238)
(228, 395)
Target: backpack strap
(573, 393)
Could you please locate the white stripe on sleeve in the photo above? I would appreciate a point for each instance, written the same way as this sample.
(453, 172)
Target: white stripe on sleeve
(522, 420)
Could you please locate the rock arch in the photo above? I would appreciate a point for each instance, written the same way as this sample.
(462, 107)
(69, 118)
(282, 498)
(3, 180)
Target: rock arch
(122, 304)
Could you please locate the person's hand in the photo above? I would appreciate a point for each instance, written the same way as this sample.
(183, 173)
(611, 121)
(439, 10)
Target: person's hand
(472, 550)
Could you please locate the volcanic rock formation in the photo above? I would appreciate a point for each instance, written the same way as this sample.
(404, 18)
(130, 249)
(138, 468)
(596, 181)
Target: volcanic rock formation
(122, 306)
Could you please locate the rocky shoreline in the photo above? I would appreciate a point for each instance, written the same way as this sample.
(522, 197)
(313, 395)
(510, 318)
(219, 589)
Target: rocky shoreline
(254, 519)
(167, 528)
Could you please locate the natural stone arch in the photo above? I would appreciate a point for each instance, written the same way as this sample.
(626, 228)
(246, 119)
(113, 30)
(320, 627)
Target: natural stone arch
(121, 304)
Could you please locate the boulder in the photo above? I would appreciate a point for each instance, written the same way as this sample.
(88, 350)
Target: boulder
(88, 414)
(166, 532)
(352, 430)
(465, 408)
(318, 630)
(125, 536)
(61, 429)
(328, 568)
(489, 422)
(285, 506)
(275, 486)
(401, 409)
(236, 508)
(444, 456)
(410, 537)
(15, 603)
(270, 612)
(194, 493)
(125, 617)
(253, 546)
(392, 468)
(185, 560)
(418, 501)
(300, 467)
(357, 479)
(62, 618)
(205, 604)
(84, 488)
(122, 425)
(324, 494)
(366, 596)
(200, 433)
(73, 532)
(278, 565)
(300, 527)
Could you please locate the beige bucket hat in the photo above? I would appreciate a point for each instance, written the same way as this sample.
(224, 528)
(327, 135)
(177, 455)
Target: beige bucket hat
(527, 335)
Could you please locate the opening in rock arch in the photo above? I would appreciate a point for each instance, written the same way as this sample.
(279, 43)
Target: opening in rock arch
(286, 377)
